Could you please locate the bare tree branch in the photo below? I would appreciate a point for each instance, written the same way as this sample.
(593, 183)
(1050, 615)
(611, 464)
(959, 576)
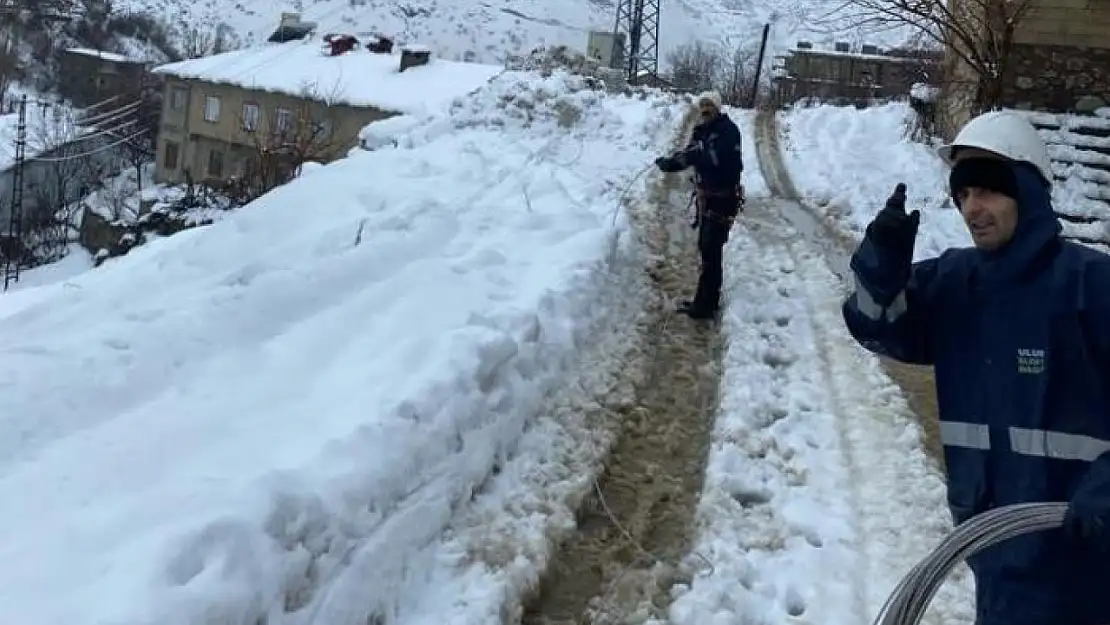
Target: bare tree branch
(979, 34)
(285, 139)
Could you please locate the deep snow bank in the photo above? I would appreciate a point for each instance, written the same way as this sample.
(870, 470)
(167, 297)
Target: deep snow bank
(210, 428)
(846, 161)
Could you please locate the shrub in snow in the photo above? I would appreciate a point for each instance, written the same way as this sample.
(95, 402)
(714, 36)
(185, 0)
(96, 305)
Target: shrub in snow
(924, 93)
(174, 210)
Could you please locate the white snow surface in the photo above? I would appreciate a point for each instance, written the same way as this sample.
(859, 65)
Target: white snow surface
(492, 31)
(357, 78)
(48, 128)
(846, 162)
(286, 409)
(101, 54)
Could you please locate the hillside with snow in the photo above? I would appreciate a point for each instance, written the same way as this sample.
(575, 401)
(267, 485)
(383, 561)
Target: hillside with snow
(490, 31)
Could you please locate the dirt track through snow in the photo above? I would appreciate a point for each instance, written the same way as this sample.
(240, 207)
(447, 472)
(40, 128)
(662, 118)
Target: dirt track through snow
(636, 525)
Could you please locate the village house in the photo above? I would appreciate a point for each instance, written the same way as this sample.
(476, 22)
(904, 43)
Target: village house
(89, 76)
(310, 95)
(845, 76)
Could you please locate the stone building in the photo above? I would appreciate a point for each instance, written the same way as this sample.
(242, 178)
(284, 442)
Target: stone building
(1060, 61)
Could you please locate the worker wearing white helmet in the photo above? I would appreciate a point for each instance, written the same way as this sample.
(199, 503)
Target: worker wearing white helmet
(1018, 330)
(715, 152)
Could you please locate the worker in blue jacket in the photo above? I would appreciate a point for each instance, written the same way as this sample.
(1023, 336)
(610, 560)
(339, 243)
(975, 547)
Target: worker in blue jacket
(1018, 331)
(715, 153)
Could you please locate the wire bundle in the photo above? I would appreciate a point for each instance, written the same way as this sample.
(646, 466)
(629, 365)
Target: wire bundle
(909, 600)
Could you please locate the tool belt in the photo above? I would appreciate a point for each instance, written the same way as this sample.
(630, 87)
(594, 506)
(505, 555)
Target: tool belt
(702, 197)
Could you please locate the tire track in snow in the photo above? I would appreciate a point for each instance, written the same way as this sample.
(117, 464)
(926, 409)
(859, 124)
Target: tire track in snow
(881, 447)
(634, 529)
(897, 493)
(773, 233)
(916, 381)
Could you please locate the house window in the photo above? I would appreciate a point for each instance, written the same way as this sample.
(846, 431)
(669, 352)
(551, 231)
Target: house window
(283, 120)
(250, 117)
(170, 155)
(178, 97)
(211, 109)
(321, 129)
(215, 164)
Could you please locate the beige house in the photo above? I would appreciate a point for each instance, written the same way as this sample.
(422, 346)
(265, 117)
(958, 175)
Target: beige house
(310, 97)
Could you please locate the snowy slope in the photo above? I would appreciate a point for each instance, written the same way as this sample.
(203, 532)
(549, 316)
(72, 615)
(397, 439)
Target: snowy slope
(284, 411)
(493, 29)
(846, 162)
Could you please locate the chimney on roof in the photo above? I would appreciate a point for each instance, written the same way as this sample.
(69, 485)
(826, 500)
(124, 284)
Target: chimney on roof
(291, 28)
(337, 44)
(380, 44)
(414, 56)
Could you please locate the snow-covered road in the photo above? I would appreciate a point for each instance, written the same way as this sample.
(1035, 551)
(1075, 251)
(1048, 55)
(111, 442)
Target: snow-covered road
(442, 382)
(819, 496)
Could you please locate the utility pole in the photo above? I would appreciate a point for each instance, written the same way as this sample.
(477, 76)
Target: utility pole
(13, 256)
(639, 20)
(759, 64)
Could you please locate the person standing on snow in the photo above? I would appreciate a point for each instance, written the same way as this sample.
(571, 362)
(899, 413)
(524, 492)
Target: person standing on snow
(1018, 330)
(715, 153)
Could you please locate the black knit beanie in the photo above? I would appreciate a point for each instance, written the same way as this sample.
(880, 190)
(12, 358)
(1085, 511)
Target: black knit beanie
(985, 173)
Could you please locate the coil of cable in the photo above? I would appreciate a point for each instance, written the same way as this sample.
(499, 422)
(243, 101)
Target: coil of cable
(911, 597)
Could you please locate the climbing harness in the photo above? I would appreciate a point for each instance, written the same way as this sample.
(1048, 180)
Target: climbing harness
(908, 601)
(698, 200)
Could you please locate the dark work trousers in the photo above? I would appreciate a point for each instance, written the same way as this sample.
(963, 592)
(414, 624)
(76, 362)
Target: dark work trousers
(714, 222)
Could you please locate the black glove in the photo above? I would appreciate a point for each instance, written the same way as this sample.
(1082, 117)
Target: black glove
(1088, 515)
(892, 228)
(669, 164)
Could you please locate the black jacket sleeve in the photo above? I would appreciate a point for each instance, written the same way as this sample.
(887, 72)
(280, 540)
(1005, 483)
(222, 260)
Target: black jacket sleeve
(718, 154)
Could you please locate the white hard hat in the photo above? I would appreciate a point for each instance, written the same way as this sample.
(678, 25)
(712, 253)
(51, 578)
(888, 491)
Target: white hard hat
(1005, 133)
(712, 97)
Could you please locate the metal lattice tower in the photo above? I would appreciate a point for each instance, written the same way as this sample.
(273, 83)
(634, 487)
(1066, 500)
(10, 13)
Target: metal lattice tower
(639, 21)
(13, 256)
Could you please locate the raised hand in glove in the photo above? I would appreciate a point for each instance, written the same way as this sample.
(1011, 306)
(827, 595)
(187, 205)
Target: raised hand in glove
(884, 261)
(892, 229)
(669, 164)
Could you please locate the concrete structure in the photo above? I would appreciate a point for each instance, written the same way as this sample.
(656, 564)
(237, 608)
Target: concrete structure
(600, 46)
(846, 77)
(90, 76)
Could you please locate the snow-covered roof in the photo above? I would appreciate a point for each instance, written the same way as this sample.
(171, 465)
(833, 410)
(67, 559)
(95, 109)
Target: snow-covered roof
(100, 54)
(357, 78)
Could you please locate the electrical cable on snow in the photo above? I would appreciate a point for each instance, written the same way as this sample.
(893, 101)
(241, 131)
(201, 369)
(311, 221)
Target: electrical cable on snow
(910, 598)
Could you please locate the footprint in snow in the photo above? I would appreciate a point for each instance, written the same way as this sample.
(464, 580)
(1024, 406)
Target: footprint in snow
(794, 602)
(751, 497)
